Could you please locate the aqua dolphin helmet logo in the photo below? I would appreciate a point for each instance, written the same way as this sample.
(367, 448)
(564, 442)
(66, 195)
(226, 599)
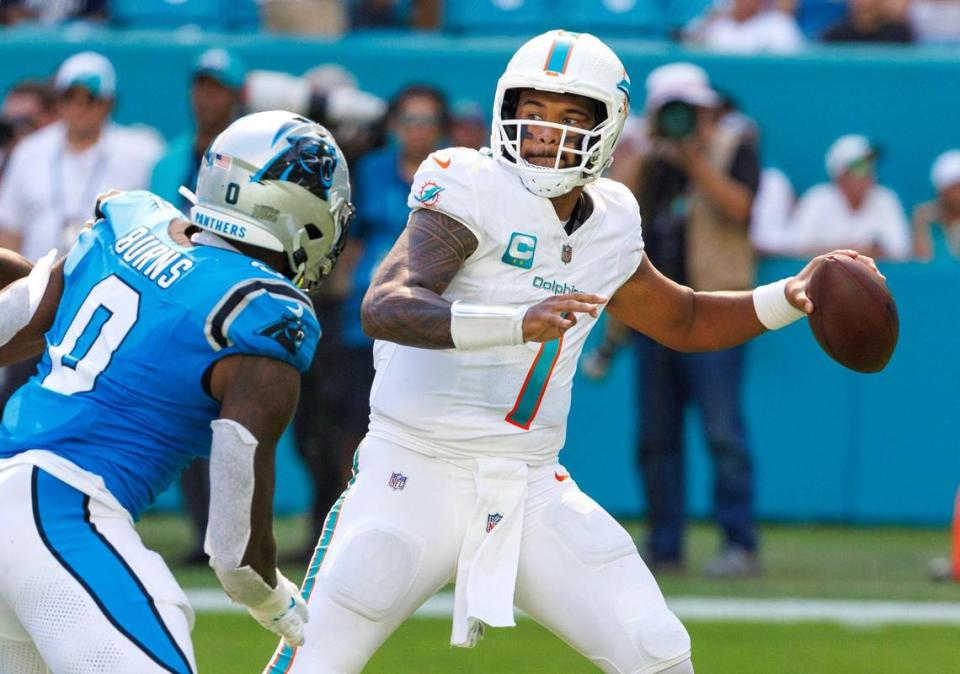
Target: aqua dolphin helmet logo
(308, 160)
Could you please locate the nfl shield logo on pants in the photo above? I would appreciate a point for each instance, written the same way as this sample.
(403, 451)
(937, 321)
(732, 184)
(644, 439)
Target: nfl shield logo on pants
(397, 481)
(492, 521)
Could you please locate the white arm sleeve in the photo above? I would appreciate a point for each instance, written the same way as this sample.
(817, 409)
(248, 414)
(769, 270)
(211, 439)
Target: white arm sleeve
(231, 493)
(19, 300)
(231, 498)
(280, 609)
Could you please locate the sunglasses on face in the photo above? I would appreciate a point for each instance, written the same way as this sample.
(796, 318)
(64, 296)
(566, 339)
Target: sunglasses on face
(77, 95)
(418, 120)
(862, 168)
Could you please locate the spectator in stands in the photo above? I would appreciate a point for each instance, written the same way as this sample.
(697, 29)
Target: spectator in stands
(469, 126)
(815, 16)
(936, 224)
(870, 21)
(216, 96)
(27, 107)
(746, 26)
(216, 99)
(418, 14)
(47, 12)
(695, 188)
(306, 17)
(935, 20)
(53, 177)
(851, 211)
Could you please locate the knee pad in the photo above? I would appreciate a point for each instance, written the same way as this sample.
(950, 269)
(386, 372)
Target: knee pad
(657, 634)
(374, 569)
(587, 530)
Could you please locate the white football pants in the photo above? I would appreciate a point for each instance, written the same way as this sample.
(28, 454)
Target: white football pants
(79, 592)
(393, 539)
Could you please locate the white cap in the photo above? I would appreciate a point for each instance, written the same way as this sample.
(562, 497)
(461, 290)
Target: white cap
(847, 150)
(89, 70)
(680, 82)
(946, 170)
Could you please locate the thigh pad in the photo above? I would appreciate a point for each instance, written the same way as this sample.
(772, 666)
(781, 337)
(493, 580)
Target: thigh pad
(374, 569)
(587, 530)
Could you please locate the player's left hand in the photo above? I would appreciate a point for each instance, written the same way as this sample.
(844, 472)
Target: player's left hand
(797, 286)
(284, 614)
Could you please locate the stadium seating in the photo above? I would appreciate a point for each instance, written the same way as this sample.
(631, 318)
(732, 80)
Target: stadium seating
(492, 16)
(211, 15)
(620, 18)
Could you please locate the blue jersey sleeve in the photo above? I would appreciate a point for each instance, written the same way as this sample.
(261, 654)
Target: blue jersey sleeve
(265, 317)
(121, 221)
(125, 212)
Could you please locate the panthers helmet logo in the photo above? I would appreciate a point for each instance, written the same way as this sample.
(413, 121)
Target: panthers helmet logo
(308, 161)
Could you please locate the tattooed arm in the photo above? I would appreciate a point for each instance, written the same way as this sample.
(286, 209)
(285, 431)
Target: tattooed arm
(404, 303)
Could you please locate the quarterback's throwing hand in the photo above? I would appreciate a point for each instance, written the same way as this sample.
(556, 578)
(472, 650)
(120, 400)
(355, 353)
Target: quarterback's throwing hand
(547, 320)
(796, 290)
(284, 618)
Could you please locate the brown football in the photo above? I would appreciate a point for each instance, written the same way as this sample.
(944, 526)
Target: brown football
(854, 317)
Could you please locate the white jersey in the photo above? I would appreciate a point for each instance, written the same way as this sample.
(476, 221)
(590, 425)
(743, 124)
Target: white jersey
(509, 401)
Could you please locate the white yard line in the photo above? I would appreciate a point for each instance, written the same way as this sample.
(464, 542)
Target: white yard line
(713, 609)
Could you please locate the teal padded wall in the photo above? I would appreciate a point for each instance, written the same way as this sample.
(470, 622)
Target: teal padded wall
(830, 445)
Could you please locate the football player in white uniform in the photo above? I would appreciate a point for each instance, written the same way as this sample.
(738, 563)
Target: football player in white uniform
(481, 311)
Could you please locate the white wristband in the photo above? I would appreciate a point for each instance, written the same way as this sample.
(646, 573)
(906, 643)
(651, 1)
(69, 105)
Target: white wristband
(478, 326)
(773, 309)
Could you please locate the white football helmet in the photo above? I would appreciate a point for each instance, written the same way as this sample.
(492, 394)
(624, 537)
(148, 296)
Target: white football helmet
(278, 181)
(565, 63)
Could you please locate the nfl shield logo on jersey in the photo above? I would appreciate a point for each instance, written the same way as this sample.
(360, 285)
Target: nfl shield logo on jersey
(397, 481)
(566, 254)
(493, 520)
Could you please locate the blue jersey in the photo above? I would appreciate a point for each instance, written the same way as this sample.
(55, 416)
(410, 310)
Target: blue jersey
(121, 390)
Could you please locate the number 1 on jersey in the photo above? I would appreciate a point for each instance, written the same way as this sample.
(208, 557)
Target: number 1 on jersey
(535, 385)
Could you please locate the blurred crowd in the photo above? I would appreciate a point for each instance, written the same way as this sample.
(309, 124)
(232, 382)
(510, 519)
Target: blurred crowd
(710, 208)
(746, 26)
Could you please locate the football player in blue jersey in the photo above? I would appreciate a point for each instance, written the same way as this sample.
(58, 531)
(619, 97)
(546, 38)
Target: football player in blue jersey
(163, 338)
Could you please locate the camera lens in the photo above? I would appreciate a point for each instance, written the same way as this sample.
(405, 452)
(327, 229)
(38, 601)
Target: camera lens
(676, 119)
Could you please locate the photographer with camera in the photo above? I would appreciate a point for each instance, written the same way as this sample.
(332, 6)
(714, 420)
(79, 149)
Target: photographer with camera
(695, 183)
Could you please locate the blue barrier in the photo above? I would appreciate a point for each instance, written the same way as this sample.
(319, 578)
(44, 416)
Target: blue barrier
(830, 444)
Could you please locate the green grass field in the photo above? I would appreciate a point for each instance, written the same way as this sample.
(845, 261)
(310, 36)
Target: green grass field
(234, 644)
(813, 562)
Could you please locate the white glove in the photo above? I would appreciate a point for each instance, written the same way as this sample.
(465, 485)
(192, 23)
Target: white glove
(284, 612)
